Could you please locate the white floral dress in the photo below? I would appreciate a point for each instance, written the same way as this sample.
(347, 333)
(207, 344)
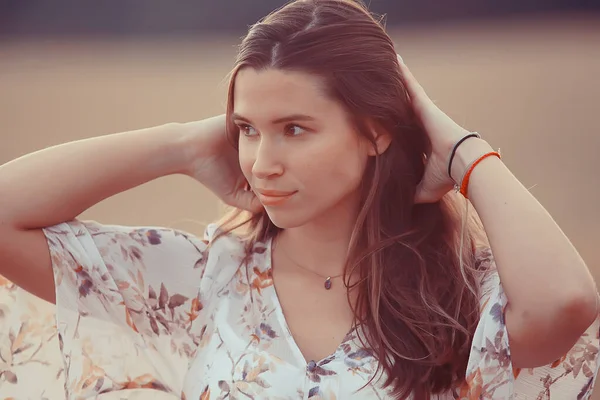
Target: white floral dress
(156, 313)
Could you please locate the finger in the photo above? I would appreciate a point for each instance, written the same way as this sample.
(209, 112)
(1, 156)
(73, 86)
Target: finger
(424, 196)
(414, 88)
(420, 196)
(246, 200)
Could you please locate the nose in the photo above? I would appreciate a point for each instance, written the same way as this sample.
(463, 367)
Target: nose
(267, 160)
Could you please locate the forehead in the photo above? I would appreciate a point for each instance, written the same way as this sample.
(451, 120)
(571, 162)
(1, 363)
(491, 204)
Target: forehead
(273, 92)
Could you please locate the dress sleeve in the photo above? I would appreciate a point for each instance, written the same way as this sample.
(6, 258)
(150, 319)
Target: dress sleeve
(126, 299)
(490, 374)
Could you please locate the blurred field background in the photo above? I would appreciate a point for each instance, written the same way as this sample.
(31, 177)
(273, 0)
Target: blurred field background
(526, 78)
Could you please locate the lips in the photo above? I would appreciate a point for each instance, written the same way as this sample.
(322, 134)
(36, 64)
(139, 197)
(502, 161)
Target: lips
(273, 197)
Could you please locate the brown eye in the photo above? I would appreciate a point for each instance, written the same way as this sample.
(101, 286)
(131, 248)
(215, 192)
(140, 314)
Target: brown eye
(247, 130)
(294, 130)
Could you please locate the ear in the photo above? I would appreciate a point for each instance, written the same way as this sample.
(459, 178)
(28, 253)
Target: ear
(382, 140)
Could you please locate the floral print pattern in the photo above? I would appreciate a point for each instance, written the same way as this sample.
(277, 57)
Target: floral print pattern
(155, 313)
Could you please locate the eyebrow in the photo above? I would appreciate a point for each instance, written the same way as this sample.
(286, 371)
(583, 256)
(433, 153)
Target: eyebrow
(287, 118)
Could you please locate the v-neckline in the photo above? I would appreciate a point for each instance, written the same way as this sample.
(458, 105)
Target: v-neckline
(283, 321)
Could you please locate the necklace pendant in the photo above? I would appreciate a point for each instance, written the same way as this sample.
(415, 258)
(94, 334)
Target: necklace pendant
(328, 283)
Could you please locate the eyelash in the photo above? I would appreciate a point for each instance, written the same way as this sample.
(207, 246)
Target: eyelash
(245, 127)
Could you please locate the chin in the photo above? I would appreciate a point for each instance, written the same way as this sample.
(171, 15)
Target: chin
(286, 219)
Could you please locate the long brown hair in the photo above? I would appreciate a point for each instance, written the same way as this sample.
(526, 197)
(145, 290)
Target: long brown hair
(417, 292)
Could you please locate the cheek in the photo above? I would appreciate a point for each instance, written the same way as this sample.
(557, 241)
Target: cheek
(246, 160)
(336, 168)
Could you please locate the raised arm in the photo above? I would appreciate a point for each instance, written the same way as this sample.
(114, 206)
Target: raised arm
(57, 184)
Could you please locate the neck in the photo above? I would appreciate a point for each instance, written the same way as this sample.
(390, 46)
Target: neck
(322, 244)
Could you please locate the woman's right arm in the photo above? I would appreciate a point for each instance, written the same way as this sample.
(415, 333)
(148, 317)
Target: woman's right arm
(57, 184)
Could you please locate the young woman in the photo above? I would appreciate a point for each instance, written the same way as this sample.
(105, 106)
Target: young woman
(358, 273)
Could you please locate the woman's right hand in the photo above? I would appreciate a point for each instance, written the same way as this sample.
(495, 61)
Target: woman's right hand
(213, 161)
(57, 184)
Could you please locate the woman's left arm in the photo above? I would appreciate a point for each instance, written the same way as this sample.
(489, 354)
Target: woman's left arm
(551, 294)
(552, 297)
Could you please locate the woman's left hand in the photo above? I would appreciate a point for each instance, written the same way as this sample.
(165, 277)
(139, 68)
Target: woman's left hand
(443, 132)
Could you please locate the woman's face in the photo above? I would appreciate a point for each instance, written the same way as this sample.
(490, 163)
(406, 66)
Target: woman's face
(297, 148)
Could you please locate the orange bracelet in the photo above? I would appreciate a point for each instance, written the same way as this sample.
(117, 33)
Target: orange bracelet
(464, 185)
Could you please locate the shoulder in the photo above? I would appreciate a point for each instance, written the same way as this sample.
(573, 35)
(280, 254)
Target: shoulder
(140, 240)
(159, 254)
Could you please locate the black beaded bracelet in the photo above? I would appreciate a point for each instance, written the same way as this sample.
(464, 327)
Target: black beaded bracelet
(470, 135)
